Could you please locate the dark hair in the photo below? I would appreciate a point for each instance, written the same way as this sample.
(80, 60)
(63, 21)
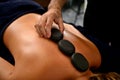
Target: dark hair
(105, 76)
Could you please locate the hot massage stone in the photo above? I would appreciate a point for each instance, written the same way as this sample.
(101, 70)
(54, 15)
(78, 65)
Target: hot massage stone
(56, 35)
(79, 62)
(66, 47)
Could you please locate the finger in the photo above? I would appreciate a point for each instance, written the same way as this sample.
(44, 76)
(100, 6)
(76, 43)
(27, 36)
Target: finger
(61, 26)
(38, 31)
(41, 26)
(48, 27)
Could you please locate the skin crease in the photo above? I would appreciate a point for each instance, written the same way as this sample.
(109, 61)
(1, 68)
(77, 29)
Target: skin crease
(38, 58)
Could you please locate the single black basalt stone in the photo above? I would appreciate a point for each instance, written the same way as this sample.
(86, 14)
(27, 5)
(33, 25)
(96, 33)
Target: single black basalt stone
(56, 35)
(66, 47)
(79, 62)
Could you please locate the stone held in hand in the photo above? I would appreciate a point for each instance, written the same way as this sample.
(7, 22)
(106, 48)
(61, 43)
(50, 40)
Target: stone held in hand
(56, 35)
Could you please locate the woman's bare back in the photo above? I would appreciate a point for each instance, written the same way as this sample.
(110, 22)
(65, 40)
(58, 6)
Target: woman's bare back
(39, 58)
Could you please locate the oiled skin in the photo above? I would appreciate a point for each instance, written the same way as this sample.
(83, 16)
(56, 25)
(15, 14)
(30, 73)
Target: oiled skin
(38, 58)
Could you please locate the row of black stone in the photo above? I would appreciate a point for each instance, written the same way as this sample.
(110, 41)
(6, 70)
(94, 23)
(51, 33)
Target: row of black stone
(66, 47)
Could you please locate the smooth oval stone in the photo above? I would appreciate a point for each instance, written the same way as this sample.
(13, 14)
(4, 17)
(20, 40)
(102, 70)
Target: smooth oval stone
(79, 62)
(66, 47)
(56, 35)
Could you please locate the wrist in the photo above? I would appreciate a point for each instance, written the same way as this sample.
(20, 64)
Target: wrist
(54, 7)
(56, 4)
(55, 11)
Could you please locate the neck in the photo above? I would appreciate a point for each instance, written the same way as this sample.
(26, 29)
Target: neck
(85, 76)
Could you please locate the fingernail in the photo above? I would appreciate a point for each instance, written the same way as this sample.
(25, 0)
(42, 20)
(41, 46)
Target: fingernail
(48, 35)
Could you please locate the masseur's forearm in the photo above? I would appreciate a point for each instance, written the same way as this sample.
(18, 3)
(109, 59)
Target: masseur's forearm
(56, 4)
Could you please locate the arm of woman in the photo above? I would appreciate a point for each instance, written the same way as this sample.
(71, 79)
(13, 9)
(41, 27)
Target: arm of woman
(5, 69)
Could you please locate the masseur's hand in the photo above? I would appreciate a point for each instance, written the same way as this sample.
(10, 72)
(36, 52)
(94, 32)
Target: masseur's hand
(45, 23)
